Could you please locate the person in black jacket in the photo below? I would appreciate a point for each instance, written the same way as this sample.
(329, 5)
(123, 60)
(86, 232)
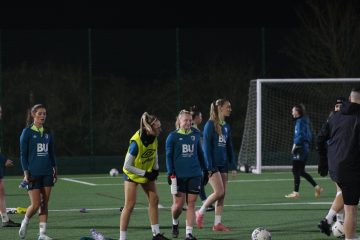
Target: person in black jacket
(344, 149)
(337, 206)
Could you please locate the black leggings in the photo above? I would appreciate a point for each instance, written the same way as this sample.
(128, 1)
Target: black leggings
(298, 170)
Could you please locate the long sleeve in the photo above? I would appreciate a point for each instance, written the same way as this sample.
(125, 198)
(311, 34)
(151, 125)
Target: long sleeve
(230, 152)
(299, 132)
(322, 138)
(24, 150)
(52, 152)
(3, 159)
(203, 163)
(169, 155)
(130, 158)
(207, 144)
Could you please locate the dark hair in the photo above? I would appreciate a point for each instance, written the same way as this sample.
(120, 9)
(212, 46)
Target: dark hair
(33, 110)
(340, 100)
(194, 111)
(300, 108)
(356, 89)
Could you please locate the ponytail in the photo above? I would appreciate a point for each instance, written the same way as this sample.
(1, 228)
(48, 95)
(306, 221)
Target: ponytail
(146, 122)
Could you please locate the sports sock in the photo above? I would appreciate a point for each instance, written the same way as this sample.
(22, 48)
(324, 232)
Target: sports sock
(175, 221)
(26, 220)
(189, 230)
(122, 235)
(202, 210)
(217, 219)
(42, 228)
(330, 216)
(155, 229)
(4, 217)
(340, 215)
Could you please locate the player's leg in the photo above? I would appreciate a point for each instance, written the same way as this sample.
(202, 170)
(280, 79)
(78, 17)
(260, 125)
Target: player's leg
(351, 195)
(218, 192)
(35, 201)
(218, 226)
(43, 212)
(6, 222)
(130, 200)
(296, 170)
(176, 209)
(190, 215)
(350, 221)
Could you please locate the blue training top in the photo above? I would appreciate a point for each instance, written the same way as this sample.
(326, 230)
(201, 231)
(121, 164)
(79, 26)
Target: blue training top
(184, 155)
(302, 132)
(37, 152)
(218, 150)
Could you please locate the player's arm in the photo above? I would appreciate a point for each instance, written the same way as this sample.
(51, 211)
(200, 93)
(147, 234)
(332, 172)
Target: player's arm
(298, 136)
(130, 159)
(207, 144)
(52, 157)
(169, 147)
(200, 153)
(24, 152)
(230, 151)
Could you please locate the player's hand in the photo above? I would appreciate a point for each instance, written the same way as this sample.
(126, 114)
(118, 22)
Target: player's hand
(169, 179)
(156, 173)
(323, 167)
(296, 149)
(150, 175)
(9, 163)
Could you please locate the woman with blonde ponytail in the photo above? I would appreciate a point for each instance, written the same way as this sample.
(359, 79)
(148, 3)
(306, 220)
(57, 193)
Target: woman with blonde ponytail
(141, 167)
(219, 155)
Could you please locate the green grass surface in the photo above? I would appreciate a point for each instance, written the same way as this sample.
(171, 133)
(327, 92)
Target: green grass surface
(251, 201)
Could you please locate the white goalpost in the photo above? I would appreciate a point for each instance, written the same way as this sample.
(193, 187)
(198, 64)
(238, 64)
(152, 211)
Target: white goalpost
(268, 130)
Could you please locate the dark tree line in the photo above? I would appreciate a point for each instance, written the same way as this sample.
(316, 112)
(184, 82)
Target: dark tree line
(325, 45)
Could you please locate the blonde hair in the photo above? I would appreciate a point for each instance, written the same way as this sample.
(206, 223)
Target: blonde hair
(146, 122)
(177, 122)
(214, 113)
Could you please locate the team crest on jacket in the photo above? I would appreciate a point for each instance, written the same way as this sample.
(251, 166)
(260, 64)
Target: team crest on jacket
(46, 136)
(193, 138)
(34, 136)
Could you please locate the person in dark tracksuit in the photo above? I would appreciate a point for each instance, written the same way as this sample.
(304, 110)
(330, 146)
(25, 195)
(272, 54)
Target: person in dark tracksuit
(39, 165)
(4, 163)
(300, 151)
(185, 161)
(325, 166)
(344, 147)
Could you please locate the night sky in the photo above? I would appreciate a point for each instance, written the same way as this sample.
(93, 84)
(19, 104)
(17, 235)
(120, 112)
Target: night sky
(141, 42)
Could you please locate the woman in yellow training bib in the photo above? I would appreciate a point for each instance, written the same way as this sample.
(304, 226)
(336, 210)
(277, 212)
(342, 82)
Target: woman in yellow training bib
(141, 168)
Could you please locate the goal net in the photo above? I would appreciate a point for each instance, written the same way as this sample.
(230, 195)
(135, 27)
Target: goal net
(269, 126)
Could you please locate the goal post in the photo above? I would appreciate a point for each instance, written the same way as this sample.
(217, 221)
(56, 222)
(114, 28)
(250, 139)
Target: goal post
(268, 128)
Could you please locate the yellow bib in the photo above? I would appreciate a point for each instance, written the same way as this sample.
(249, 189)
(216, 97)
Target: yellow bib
(144, 160)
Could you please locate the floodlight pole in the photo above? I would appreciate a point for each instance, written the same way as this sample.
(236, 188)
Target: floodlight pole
(90, 96)
(177, 68)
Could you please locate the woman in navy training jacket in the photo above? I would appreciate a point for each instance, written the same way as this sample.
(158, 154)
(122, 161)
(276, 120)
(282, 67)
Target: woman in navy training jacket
(39, 166)
(219, 155)
(185, 160)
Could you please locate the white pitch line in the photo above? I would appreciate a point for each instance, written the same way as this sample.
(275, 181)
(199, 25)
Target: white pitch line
(226, 205)
(77, 181)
